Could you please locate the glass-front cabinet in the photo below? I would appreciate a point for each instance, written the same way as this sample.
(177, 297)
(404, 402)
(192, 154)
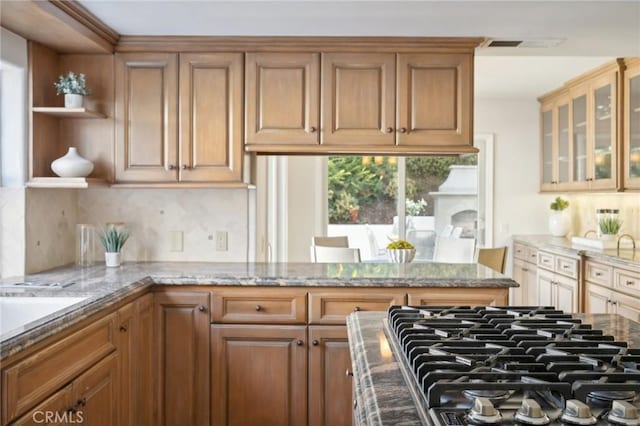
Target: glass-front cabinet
(631, 114)
(581, 150)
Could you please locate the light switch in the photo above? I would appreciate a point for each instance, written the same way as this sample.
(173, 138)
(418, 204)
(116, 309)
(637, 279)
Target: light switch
(177, 241)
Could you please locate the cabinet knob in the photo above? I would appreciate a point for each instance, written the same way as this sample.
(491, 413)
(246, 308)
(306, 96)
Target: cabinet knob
(348, 373)
(258, 308)
(598, 274)
(185, 167)
(314, 342)
(82, 402)
(613, 302)
(628, 282)
(299, 342)
(123, 328)
(312, 129)
(389, 129)
(402, 130)
(356, 309)
(171, 167)
(201, 308)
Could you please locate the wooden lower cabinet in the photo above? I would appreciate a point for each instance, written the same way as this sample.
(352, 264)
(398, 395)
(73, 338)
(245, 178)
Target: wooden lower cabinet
(330, 384)
(95, 393)
(524, 273)
(460, 296)
(181, 345)
(56, 410)
(558, 291)
(602, 300)
(259, 375)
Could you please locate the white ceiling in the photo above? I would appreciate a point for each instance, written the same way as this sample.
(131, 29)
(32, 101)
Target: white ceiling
(590, 32)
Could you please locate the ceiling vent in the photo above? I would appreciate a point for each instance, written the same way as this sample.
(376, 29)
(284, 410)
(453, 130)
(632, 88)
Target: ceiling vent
(537, 43)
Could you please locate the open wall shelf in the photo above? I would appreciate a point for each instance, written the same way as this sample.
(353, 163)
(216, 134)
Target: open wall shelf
(61, 112)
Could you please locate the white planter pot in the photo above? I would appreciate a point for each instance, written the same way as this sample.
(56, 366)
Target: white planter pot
(559, 223)
(73, 101)
(401, 255)
(112, 260)
(72, 165)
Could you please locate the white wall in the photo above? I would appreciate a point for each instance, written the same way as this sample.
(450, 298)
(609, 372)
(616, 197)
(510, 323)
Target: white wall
(13, 152)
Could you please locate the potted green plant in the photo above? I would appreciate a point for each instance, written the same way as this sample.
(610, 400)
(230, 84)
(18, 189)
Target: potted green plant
(113, 240)
(609, 227)
(401, 251)
(74, 87)
(559, 219)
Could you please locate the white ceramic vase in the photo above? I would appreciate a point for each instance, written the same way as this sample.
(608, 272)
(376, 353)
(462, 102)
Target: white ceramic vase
(401, 255)
(72, 101)
(113, 260)
(72, 165)
(559, 223)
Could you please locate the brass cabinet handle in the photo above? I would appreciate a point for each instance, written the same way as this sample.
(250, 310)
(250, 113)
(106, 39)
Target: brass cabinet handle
(312, 129)
(299, 342)
(389, 129)
(402, 130)
(201, 308)
(314, 342)
(258, 308)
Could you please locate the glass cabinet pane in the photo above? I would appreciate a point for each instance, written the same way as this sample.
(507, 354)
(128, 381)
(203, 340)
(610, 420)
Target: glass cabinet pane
(563, 143)
(547, 147)
(634, 127)
(580, 138)
(603, 137)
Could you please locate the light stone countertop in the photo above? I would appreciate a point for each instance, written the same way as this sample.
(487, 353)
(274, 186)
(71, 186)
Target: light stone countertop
(104, 286)
(626, 258)
(381, 392)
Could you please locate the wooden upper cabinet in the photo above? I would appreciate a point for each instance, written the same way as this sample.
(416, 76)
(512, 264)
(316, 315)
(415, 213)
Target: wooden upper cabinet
(210, 117)
(435, 98)
(282, 98)
(631, 119)
(358, 98)
(146, 117)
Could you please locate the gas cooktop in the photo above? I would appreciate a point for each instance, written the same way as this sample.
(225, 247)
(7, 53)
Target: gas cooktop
(517, 365)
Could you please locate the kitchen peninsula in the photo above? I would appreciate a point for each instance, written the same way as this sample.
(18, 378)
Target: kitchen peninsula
(179, 339)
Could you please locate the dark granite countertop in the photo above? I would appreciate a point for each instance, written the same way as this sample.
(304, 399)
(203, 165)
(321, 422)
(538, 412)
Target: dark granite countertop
(101, 286)
(381, 393)
(629, 258)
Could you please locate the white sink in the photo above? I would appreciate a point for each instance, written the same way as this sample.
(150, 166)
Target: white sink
(18, 311)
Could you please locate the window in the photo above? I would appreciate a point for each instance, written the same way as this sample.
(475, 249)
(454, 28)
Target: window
(377, 199)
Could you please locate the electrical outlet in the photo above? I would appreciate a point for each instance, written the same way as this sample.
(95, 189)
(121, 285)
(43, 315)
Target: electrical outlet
(177, 241)
(221, 241)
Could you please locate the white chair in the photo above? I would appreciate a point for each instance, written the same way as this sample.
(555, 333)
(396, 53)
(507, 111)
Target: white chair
(454, 250)
(376, 251)
(322, 254)
(339, 241)
(446, 231)
(457, 232)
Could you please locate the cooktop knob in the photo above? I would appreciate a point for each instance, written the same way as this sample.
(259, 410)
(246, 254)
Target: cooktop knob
(577, 413)
(623, 413)
(530, 413)
(484, 413)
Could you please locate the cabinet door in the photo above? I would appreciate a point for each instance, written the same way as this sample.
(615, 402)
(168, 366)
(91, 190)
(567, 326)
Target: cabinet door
(631, 118)
(532, 289)
(435, 99)
(545, 288)
(626, 306)
(603, 147)
(358, 97)
(563, 158)
(518, 295)
(329, 382)
(96, 393)
(548, 148)
(211, 117)
(125, 340)
(259, 375)
(182, 357)
(59, 409)
(283, 98)
(143, 356)
(146, 117)
(566, 294)
(597, 299)
(579, 132)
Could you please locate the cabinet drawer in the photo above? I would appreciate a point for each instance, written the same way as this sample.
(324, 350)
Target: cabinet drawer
(599, 273)
(520, 251)
(627, 281)
(40, 375)
(546, 260)
(532, 255)
(566, 266)
(269, 306)
(333, 307)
